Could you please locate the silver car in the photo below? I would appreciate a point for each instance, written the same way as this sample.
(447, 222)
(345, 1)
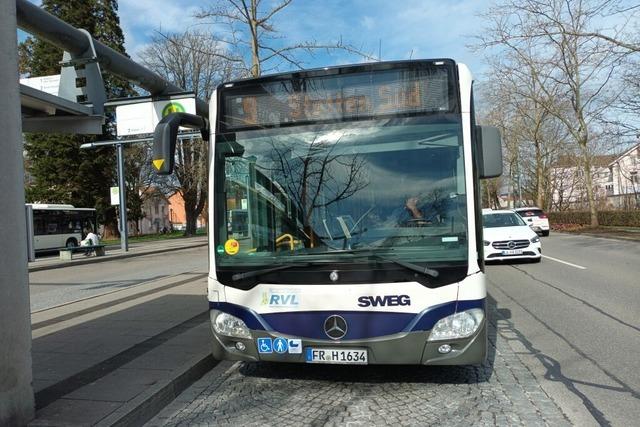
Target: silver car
(535, 218)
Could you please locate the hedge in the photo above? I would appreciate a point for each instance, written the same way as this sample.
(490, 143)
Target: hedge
(611, 218)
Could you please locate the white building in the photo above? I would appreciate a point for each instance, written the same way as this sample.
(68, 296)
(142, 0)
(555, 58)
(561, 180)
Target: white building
(568, 183)
(623, 188)
(615, 179)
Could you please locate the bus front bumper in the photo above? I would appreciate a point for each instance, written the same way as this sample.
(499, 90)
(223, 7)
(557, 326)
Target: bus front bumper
(410, 348)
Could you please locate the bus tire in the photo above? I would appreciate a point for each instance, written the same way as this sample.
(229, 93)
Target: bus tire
(71, 243)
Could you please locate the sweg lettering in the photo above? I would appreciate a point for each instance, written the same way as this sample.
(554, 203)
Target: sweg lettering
(384, 301)
(283, 299)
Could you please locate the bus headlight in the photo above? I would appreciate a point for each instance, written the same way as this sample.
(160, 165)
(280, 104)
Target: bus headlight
(457, 325)
(231, 326)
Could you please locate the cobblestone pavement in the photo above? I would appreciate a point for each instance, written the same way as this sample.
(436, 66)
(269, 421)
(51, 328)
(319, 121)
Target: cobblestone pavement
(502, 392)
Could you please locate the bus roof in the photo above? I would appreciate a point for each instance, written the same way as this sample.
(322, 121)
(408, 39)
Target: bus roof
(57, 206)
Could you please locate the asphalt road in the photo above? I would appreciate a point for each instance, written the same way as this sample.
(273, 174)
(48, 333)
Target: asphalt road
(578, 316)
(565, 341)
(50, 288)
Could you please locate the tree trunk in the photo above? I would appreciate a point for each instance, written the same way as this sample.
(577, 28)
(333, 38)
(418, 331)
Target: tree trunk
(192, 223)
(588, 180)
(190, 213)
(255, 48)
(540, 187)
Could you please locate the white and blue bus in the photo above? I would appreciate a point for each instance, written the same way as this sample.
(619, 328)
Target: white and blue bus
(57, 226)
(356, 191)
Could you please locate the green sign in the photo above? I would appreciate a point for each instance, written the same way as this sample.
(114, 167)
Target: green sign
(173, 107)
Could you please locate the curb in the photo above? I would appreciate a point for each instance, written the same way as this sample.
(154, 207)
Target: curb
(145, 406)
(112, 257)
(601, 236)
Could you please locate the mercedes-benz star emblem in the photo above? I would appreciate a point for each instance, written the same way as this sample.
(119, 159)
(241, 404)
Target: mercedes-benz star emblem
(335, 327)
(511, 244)
(333, 276)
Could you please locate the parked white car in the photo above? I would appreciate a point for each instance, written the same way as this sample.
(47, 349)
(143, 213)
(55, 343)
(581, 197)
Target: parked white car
(507, 236)
(535, 218)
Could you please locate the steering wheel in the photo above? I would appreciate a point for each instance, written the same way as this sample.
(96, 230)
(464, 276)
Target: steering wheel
(419, 222)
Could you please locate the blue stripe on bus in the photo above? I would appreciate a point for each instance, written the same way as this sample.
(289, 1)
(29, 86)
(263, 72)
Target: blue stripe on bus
(361, 324)
(248, 316)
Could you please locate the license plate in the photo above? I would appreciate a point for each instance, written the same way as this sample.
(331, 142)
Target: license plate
(512, 252)
(336, 355)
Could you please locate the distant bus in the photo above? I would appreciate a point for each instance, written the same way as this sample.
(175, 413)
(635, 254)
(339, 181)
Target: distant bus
(57, 226)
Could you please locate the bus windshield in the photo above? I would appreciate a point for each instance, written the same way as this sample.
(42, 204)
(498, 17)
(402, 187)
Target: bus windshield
(321, 192)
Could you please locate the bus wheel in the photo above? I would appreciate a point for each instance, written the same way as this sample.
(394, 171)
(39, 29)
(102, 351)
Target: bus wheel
(71, 243)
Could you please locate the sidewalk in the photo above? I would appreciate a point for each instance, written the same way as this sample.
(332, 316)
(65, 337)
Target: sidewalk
(117, 359)
(136, 249)
(617, 233)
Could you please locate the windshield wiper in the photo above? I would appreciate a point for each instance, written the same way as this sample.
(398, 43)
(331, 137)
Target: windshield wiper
(261, 271)
(409, 266)
(370, 253)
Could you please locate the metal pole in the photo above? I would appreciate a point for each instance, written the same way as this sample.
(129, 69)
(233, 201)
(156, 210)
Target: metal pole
(519, 182)
(124, 227)
(16, 391)
(134, 141)
(31, 250)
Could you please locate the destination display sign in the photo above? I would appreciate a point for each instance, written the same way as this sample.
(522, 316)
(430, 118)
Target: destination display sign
(337, 97)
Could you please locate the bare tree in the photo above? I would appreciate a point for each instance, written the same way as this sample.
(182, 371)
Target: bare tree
(490, 193)
(531, 136)
(180, 59)
(190, 60)
(581, 69)
(251, 29)
(138, 179)
(626, 120)
(314, 179)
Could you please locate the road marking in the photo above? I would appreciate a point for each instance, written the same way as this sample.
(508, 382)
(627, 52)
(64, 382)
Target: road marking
(564, 262)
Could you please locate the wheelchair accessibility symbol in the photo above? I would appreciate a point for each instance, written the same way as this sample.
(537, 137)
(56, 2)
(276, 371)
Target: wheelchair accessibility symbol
(265, 345)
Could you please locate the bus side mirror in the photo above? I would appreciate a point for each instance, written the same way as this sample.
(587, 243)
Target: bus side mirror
(489, 151)
(165, 137)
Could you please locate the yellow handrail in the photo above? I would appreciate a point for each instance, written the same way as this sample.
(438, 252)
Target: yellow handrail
(283, 237)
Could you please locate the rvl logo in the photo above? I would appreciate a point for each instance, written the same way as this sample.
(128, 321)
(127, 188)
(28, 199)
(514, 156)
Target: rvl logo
(283, 299)
(384, 301)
